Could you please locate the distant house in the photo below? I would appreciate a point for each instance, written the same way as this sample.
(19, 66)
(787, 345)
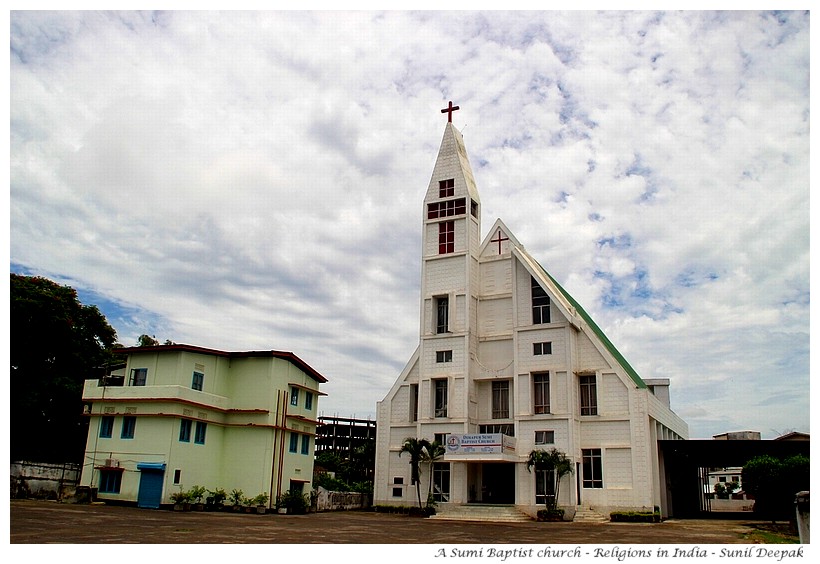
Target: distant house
(175, 416)
(793, 436)
(738, 436)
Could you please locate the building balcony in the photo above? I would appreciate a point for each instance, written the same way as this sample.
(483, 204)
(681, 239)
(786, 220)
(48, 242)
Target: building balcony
(98, 390)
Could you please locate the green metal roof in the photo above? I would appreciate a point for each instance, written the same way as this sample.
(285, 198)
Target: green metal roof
(597, 330)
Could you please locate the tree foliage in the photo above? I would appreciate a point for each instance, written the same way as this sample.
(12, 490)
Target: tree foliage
(553, 461)
(774, 483)
(415, 448)
(55, 344)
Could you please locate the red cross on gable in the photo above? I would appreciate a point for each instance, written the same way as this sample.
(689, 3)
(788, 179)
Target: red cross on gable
(449, 111)
(499, 240)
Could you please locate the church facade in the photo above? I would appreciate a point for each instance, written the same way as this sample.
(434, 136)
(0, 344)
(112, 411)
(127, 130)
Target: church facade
(507, 363)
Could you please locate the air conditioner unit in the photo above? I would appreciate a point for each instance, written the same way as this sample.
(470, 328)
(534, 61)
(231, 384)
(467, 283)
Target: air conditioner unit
(112, 463)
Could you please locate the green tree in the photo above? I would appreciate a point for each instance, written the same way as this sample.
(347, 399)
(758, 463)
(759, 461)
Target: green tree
(552, 461)
(774, 483)
(56, 343)
(416, 449)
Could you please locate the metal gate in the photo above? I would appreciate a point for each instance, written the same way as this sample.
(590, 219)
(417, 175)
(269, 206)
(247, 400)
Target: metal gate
(152, 476)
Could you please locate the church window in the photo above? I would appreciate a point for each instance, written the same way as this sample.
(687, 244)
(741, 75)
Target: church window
(446, 237)
(446, 188)
(544, 486)
(541, 392)
(446, 209)
(441, 481)
(440, 395)
(414, 402)
(444, 356)
(503, 428)
(545, 437)
(589, 395)
(542, 348)
(442, 314)
(593, 476)
(540, 304)
(501, 399)
(473, 208)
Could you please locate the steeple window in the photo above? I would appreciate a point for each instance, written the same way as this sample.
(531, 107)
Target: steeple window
(446, 188)
(447, 209)
(446, 237)
(442, 314)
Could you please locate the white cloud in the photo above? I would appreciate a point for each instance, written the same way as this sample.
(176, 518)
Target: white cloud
(254, 179)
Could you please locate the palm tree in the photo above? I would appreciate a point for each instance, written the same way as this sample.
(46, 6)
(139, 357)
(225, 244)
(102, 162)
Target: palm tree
(415, 448)
(553, 461)
(434, 451)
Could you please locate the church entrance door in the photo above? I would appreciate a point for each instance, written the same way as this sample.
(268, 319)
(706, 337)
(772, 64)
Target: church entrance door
(498, 483)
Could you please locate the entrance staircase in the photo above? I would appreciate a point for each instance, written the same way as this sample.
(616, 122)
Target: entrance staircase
(477, 512)
(588, 515)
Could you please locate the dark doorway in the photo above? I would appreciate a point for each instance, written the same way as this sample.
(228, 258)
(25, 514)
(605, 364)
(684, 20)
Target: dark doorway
(498, 483)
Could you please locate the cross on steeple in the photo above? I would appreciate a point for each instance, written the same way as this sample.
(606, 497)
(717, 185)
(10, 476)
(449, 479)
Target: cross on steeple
(449, 111)
(499, 240)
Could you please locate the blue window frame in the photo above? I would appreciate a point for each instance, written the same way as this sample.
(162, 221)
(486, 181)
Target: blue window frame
(199, 435)
(129, 423)
(305, 444)
(308, 400)
(185, 431)
(294, 396)
(110, 481)
(106, 426)
(197, 381)
(294, 442)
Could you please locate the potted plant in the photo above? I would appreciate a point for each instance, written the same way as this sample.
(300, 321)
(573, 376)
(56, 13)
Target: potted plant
(294, 503)
(237, 497)
(260, 501)
(196, 493)
(217, 499)
(182, 501)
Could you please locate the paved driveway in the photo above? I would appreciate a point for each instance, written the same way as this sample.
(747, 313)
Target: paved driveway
(50, 522)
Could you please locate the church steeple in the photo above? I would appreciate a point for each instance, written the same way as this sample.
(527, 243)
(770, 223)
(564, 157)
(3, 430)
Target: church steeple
(452, 208)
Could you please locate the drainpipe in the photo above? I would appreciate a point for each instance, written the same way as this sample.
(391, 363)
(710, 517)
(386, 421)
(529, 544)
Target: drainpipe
(282, 443)
(273, 464)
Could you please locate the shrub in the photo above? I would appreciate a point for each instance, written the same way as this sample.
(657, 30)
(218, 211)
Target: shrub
(196, 493)
(294, 502)
(550, 515)
(635, 517)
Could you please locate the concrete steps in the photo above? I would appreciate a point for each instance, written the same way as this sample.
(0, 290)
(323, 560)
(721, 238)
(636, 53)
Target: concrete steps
(476, 512)
(588, 515)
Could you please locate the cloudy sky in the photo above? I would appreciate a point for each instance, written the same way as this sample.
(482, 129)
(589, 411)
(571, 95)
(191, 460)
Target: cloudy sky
(249, 180)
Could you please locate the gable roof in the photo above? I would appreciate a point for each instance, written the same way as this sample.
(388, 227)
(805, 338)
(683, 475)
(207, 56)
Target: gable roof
(289, 356)
(568, 305)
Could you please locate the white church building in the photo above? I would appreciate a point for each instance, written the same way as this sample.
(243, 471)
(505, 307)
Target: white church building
(507, 363)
